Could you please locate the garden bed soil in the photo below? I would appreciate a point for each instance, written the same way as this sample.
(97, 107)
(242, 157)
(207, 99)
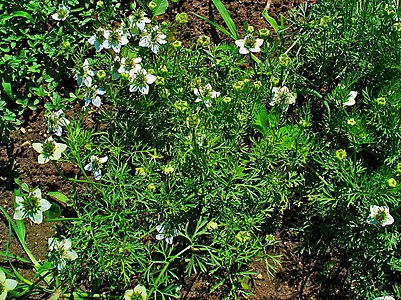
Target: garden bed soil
(298, 277)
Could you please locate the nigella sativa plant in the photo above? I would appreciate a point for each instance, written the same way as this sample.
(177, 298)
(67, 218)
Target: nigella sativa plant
(115, 39)
(140, 80)
(153, 39)
(206, 94)
(85, 78)
(56, 122)
(49, 150)
(138, 20)
(97, 39)
(32, 206)
(95, 165)
(61, 14)
(166, 233)
(61, 252)
(249, 44)
(380, 215)
(92, 95)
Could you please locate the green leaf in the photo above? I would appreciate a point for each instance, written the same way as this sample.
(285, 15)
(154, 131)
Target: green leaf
(7, 88)
(260, 118)
(271, 21)
(25, 187)
(54, 211)
(60, 197)
(226, 17)
(18, 14)
(219, 27)
(160, 8)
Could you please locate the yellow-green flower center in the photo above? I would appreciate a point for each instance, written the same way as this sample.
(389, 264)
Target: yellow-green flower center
(49, 148)
(114, 37)
(138, 16)
(62, 13)
(380, 216)
(250, 42)
(31, 204)
(140, 79)
(136, 296)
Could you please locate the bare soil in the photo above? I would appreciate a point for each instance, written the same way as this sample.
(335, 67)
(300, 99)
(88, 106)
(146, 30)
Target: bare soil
(298, 277)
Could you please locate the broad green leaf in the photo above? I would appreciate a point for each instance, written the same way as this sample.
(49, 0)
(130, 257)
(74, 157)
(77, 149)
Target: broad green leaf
(7, 88)
(227, 18)
(271, 21)
(60, 197)
(160, 8)
(18, 14)
(260, 118)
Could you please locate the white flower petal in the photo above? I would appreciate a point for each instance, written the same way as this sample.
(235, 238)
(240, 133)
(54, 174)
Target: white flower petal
(38, 147)
(42, 159)
(19, 213)
(240, 43)
(44, 205)
(169, 240)
(37, 217)
(97, 174)
(97, 101)
(10, 284)
(103, 159)
(2, 276)
(160, 228)
(19, 199)
(160, 236)
(150, 78)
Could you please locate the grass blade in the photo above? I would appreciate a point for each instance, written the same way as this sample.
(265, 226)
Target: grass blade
(271, 21)
(219, 27)
(227, 18)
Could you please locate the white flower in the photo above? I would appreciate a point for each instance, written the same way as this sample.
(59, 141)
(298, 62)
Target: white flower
(92, 95)
(55, 122)
(49, 150)
(31, 205)
(153, 39)
(86, 77)
(115, 39)
(206, 94)
(61, 252)
(168, 236)
(97, 39)
(351, 99)
(140, 80)
(95, 164)
(128, 64)
(282, 97)
(249, 43)
(380, 215)
(138, 20)
(61, 14)
(385, 298)
(6, 285)
(139, 292)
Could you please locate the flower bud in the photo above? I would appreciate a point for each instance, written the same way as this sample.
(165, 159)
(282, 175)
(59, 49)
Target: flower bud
(264, 33)
(152, 5)
(101, 74)
(181, 18)
(203, 41)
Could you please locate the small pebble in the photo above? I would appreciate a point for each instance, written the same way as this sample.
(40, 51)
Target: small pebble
(30, 130)
(22, 130)
(26, 144)
(259, 276)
